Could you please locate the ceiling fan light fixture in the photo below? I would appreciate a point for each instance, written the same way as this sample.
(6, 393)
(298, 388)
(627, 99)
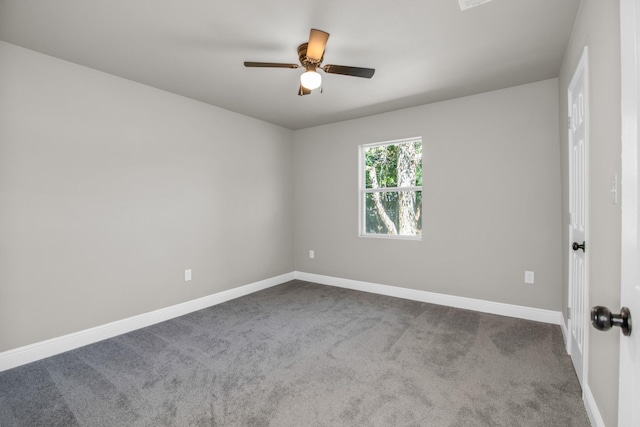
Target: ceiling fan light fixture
(311, 80)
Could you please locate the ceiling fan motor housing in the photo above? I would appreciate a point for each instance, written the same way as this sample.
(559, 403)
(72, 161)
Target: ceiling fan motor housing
(309, 63)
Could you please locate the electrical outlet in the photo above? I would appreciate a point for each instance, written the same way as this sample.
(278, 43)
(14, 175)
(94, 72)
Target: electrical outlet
(312, 254)
(187, 275)
(529, 277)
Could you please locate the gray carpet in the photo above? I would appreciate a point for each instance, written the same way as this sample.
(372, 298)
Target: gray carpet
(302, 354)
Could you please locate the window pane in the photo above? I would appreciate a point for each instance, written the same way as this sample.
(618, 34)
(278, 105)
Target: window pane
(393, 212)
(393, 165)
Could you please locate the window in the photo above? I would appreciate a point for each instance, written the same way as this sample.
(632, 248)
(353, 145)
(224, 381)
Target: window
(391, 189)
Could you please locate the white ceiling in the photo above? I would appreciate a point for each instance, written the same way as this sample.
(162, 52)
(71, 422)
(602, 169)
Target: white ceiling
(423, 50)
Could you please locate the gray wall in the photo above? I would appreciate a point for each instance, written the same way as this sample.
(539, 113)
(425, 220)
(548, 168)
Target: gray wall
(491, 198)
(110, 189)
(598, 27)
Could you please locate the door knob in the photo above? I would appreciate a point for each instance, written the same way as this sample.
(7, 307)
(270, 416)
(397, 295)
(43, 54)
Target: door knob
(576, 246)
(602, 319)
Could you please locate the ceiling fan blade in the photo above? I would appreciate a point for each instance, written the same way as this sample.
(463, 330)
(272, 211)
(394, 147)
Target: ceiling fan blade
(317, 42)
(270, 65)
(367, 73)
(304, 91)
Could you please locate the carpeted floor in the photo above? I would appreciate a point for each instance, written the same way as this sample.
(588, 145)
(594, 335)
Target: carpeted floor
(302, 354)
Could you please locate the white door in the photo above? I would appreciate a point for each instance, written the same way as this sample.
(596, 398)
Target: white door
(578, 283)
(629, 377)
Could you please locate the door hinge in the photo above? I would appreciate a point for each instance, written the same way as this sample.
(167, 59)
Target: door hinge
(568, 313)
(569, 122)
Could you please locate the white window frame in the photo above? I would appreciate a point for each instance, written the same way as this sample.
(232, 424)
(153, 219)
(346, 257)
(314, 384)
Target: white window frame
(362, 190)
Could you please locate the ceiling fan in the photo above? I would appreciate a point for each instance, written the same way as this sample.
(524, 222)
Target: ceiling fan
(310, 56)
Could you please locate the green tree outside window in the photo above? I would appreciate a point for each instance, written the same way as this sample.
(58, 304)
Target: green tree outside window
(392, 193)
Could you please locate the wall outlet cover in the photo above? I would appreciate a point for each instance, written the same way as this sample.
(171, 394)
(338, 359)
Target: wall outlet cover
(529, 277)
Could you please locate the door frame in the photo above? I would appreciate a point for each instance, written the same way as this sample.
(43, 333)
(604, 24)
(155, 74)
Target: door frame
(583, 64)
(628, 395)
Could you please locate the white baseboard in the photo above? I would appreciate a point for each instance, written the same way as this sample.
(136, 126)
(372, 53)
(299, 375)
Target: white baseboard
(521, 312)
(565, 332)
(31, 353)
(592, 408)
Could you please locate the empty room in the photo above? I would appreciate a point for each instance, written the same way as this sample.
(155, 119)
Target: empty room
(358, 213)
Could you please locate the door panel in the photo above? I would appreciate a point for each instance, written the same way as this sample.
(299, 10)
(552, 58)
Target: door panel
(629, 376)
(578, 207)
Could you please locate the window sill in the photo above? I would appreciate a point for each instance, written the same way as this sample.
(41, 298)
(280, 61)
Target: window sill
(391, 237)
